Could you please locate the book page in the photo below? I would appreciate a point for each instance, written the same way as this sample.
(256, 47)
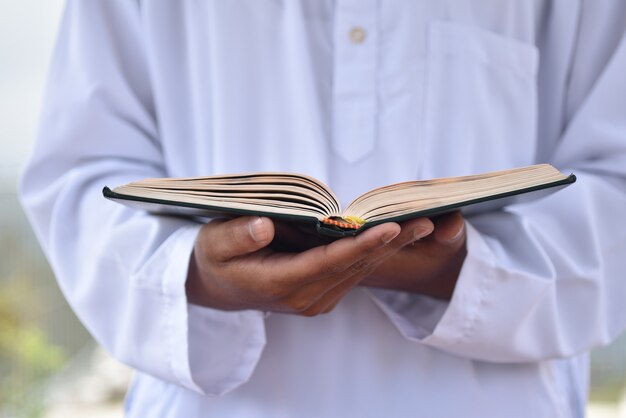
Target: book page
(412, 196)
(287, 193)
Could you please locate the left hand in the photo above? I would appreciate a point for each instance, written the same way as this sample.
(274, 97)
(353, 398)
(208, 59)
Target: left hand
(431, 265)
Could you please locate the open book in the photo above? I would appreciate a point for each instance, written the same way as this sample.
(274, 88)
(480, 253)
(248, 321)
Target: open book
(300, 198)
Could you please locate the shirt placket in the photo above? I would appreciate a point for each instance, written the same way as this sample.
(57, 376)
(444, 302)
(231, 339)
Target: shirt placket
(355, 78)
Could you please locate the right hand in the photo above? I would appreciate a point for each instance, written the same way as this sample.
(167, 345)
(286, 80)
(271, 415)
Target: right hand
(232, 268)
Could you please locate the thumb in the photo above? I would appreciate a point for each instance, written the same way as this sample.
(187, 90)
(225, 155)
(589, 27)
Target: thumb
(228, 239)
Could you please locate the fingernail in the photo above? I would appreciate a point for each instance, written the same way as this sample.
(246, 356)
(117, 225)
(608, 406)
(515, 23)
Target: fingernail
(458, 234)
(389, 236)
(257, 230)
(421, 231)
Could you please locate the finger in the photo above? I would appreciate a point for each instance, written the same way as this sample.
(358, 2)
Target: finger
(410, 232)
(329, 293)
(225, 240)
(450, 229)
(332, 289)
(337, 257)
(414, 230)
(330, 299)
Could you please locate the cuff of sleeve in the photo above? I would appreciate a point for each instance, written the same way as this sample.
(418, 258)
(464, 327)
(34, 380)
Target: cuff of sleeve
(437, 322)
(414, 315)
(224, 347)
(208, 351)
(464, 310)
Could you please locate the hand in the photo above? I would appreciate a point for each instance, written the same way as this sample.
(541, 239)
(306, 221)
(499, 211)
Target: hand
(232, 267)
(430, 265)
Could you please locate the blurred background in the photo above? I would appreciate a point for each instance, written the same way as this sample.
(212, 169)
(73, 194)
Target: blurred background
(49, 366)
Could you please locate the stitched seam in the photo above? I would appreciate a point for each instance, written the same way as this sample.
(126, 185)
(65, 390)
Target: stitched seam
(476, 303)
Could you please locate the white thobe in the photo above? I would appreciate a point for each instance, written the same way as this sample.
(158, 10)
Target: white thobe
(358, 93)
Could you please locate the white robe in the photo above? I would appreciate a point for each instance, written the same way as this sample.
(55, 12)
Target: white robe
(153, 88)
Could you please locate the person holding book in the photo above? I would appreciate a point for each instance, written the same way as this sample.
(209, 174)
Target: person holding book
(483, 314)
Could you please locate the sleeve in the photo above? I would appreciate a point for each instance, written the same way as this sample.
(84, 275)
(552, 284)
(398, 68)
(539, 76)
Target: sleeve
(545, 279)
(122, 271)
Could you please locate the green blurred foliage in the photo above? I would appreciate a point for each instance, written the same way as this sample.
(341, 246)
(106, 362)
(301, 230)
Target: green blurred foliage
(608, 372)
(27, 358)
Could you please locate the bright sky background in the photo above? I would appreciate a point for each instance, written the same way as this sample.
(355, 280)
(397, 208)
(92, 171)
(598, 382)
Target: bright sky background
(27, 34)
